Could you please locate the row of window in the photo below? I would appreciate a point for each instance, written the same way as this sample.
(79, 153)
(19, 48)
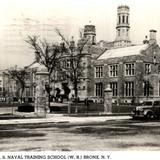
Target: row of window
(123, 19)
(128, 89)
(129, 70)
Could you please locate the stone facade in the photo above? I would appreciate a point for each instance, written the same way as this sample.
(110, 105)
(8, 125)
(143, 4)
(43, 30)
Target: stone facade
(133, 75)
(142, 84)
(132, 88)
(85, 89)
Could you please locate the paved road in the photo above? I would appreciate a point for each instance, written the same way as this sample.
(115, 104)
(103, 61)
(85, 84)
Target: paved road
(58, 118)
(109, 133)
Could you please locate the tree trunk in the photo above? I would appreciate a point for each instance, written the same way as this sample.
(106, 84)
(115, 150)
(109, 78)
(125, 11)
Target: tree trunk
(21, 95)
(49, 82)
(75, 90)
(76, 96)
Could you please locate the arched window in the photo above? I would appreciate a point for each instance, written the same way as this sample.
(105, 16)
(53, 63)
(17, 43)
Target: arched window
(123, 19)
(93, 40)
(127, 19)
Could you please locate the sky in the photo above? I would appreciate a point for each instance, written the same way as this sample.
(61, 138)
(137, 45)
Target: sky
(20, 18)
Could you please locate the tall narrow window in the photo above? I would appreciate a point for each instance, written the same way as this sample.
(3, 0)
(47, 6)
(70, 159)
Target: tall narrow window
(127, 19)
(93, 40)
(123, 19)
(129, 69)
(147, 68)
(119, 19)
(148, 89)
(99, 89)
(113, 86)
(129, 89)
(113, 70)
(99, 71)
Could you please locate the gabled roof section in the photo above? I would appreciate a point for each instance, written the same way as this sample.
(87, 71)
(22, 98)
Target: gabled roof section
(121, 52)
(96, 51)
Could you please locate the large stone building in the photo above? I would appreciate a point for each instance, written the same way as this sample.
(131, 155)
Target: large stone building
(131, 71)
(88, 55)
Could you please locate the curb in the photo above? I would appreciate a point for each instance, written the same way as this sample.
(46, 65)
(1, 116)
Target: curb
(96, 114)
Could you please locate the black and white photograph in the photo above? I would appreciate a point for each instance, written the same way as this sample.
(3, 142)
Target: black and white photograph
(79, 75)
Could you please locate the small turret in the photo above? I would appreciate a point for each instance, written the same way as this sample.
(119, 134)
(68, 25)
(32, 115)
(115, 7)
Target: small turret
(152, 36)
(123, 27)
(90, 33)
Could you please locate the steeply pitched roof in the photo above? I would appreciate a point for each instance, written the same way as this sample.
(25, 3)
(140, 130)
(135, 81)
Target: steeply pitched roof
(96, 51)
(121, 52)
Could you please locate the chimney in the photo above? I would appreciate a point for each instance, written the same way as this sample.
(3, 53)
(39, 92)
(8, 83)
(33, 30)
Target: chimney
(146, 41)
(152, 36)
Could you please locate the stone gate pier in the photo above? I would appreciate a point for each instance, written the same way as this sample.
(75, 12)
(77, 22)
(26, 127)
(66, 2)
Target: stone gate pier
(41, 96)
(108, 100)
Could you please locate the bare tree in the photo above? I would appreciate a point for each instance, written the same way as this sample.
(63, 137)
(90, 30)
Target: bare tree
(47, 55)
(76, 69)
(19, 76)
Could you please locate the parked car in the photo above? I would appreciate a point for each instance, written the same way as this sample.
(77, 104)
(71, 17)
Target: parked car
(26, 107)
(149, 109)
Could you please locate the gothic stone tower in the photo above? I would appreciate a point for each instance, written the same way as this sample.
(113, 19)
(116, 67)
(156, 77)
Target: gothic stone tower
(122, 29)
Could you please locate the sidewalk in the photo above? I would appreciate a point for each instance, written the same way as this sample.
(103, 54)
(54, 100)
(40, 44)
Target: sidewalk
(60, 118)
